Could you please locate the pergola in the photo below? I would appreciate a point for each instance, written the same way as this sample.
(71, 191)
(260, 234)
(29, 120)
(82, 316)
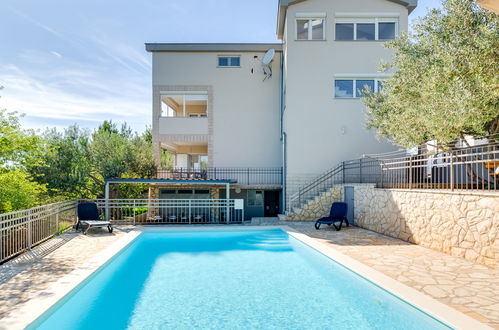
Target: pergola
(191, 182)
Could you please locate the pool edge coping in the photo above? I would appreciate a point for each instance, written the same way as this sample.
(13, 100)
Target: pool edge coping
(425, 303)
(30, 311)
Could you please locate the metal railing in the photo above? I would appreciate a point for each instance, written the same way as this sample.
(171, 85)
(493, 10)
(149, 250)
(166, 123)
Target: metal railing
(243, 176)
(464, 168)
(468, 168)
(23, 229)
(362, 170)
(171, 211)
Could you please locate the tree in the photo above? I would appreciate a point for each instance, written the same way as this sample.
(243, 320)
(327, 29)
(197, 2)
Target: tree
(65, 165)
(446, 83)
(111, 150)
(19, 191)
(16, 145)
(17, 148)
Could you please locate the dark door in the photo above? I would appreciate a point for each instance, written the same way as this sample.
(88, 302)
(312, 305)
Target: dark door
(271, 203)
(349, 199)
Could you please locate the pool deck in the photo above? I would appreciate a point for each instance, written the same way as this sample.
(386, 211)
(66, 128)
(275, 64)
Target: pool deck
(467, 287)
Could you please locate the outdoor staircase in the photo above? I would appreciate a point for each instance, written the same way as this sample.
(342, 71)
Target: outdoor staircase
(314, 199)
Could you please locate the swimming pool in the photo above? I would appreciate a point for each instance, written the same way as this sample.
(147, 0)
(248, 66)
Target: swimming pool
(252, 279)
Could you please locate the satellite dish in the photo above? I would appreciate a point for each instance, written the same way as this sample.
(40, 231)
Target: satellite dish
(266, 60)
(268, 57)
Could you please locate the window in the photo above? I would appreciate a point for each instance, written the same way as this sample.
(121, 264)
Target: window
(386, 31)
(184, 192)
(187, 104)
(365, 31)
(202, 191)
(344, 31)
(255, 198)
(361, 85)
(380, 85)
(310, 29)
(353, 88)
(229, 61)
(362, 29)
(343, 88)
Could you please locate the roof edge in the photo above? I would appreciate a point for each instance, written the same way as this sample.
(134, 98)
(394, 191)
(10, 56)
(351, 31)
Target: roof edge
(212, 47)
(284, 4)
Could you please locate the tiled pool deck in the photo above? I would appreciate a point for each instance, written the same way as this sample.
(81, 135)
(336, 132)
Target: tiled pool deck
(470, 288)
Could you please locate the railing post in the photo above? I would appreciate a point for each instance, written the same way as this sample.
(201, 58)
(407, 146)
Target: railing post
(343, 171)
(410, 172)
(248, 180)
(134, 212)
(28, 230)
(190, 221)
(57, 222)
(382, 174)
(451, 171)
(360, 170)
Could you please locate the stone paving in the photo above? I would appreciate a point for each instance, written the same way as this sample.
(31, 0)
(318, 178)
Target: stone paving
(468, 287)
(461, 284)
(25, 276)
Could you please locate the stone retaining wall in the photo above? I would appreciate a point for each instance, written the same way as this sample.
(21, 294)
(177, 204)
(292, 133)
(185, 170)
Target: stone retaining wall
(460, 224)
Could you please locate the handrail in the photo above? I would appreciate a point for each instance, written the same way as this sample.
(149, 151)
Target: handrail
(466, 168)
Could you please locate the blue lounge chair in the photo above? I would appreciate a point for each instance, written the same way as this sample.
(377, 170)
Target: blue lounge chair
(88, 215)
(338, 213)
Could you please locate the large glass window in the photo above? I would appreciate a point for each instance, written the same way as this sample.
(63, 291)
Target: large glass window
(302, 29)
(362, 85)
(386, 31)
(343, 88)
(366, 28)
(365, 31)
(255, 198)
(310, 29)
(354, 88)
(199, 162)
(184, 105)
(344, 31)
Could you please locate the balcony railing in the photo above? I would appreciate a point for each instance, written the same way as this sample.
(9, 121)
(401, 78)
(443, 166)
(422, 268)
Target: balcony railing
(243, 176)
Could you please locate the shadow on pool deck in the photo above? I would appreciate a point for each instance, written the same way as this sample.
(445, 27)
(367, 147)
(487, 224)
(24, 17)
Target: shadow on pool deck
(347, 236)
(27, 275)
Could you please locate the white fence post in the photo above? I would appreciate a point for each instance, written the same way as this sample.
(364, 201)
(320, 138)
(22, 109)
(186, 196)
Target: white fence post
(28, 230)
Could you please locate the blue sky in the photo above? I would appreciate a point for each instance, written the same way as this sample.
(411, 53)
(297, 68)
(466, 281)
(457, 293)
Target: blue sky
(83, 61)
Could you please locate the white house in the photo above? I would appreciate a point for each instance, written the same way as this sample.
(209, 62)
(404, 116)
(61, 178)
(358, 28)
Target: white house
(226, 114)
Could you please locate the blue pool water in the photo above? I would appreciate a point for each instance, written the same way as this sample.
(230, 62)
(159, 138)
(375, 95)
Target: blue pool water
(261, 279)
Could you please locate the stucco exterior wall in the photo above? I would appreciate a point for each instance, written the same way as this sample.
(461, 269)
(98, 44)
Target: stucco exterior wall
(321, 130)
(243, 110)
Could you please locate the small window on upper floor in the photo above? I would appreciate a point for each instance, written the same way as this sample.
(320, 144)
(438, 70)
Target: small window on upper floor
(310, 28)
(362, 29)
(229, 61)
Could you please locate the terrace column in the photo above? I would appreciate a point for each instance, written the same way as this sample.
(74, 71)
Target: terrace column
(106, 197)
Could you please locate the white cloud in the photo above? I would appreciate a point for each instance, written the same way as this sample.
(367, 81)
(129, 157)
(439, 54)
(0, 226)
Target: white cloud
(129, 101)
(56, 54)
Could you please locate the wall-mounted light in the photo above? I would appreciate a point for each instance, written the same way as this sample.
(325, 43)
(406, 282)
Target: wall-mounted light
(238, 190)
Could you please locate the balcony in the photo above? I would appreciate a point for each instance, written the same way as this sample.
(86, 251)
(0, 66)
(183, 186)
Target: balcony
(183, 126)
(256, 176)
